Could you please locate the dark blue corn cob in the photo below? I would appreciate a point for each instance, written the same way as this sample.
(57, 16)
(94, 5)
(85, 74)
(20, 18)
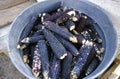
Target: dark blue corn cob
(66, 66)
(24, 45)
(93, 65)
(57, 29)
(69, 46)
(44, 58)
(36, 64)
(32, 39)
(57, 48)
(32, 48)
(90, 58)
(26, 31)
(84, 53)
(26, 53)
(28, 28)
(94, 33)
(81, 24)
(56, 15)
(70, 25)
(54, 68)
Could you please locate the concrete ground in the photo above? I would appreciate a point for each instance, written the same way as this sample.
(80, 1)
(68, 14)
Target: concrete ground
(8, 71)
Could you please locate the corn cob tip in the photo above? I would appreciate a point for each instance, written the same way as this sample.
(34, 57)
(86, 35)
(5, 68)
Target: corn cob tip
(72, 27)
(102, 50)
(45, 74)
(87, 73)
(99, 57)
(62, 57)
(40, 15)
(58, 10)
(85, 17)
(43, 27)
(25, 40)
(25, 59)
(83, 42)
(74, 18)
(36, 74)
(98, 52)
(18, 46)
(99, 40)
(77, 53)
(89, 43)
(73, 75)
(75, 32)
(22, 47)
(43, 14)
(73, 39)
(71, 13)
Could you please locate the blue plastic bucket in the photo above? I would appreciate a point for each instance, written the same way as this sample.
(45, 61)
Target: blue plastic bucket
(106, 31)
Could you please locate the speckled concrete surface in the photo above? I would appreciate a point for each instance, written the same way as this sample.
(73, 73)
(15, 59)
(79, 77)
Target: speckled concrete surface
(7, 70)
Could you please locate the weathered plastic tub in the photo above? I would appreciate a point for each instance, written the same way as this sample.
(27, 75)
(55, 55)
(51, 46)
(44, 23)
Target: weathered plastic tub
(106, 31)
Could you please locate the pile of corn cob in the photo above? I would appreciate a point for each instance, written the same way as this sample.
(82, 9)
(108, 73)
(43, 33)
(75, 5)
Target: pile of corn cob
(62, 44)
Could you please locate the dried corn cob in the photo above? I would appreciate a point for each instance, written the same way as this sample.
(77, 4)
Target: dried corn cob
(26, 31)
(24, 45)
(54, 68)
(81, 24)
(66, 66)
(32, 39)
(56, 46)
(57, 29)
(69, 46)
(90, 58)
(36, 64)
(26, 53)
(93, 65)
(44, 58)
(70, 25)
(84, 53)
(94, 33)
(32, 49)
(55, 16)
(28, 28)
